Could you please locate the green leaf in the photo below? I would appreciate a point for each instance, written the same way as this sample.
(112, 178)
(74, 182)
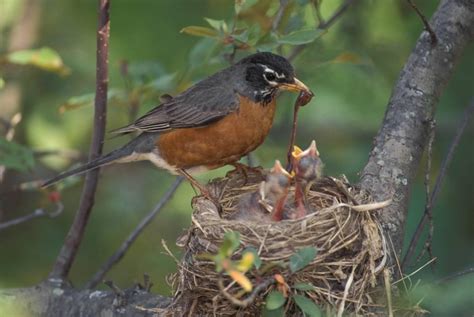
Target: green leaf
(218, 259)
(257, 260)
(218, 25)
(76, 102)
(230, 244)
(87, 100)
(279, 312)
(267, 43)
(2, 82)
(247, 261)
(274, 300)
(304, 287)
(44, 58)
(199, 31)
(301, 37)
(307, 306)
(202, 51)
(301, 258)
(242, 37)
(16, 156)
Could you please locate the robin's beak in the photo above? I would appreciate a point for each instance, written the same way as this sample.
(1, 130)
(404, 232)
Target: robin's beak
(296, 86)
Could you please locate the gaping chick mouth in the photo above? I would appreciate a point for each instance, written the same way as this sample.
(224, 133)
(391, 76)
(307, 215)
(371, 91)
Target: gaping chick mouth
(296, 86)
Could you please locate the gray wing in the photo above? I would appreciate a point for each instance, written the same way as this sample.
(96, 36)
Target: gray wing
(203, 103)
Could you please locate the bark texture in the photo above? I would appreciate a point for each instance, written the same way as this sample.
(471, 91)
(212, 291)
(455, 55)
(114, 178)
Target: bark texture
(49, 301)
(400, 142)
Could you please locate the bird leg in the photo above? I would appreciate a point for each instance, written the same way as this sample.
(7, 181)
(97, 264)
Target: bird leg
(202, 188)
(241, 169)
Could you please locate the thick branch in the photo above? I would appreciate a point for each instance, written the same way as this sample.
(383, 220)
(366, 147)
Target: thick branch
(45, 301)
(400, 142)
(74, 237)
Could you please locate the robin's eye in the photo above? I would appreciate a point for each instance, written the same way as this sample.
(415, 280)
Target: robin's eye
(269, 76)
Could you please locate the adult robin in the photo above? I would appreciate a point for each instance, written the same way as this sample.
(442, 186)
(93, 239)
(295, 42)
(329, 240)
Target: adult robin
(209, 125)
(307, 168)
(268, 202)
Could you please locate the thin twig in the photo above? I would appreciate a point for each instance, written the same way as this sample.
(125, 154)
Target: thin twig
(413, 273)
(35, 214)
(466, 116)
(279, 15)
(317, 9)
(68, 252)
(388, 291)
(346, 292)
(119, 254)
(456, 275)
(323, 26)
(428, 28)
(429, 150)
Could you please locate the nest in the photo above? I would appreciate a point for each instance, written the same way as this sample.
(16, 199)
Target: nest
(343, 227)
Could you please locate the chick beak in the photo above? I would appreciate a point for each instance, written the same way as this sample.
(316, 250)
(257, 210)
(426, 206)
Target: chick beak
(296, 86)
(278, 169)
(313, 150)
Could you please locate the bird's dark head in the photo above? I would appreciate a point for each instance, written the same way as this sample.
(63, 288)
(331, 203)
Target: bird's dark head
(266, 73)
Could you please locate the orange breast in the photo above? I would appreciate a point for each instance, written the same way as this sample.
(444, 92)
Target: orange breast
(219, 143)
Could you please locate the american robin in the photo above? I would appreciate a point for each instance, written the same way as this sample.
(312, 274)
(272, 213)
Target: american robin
(268, 202)
(209, 125)
(307, 167)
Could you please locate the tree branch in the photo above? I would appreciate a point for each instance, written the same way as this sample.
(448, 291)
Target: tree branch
(73, 239)
(466, 116)
(323, 25)
(399, 144)
(46, 301)
(428, 28)
(38, 213)
(118, 255)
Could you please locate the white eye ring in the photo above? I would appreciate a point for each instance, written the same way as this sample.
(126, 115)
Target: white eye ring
(269, 76)
(267, 69)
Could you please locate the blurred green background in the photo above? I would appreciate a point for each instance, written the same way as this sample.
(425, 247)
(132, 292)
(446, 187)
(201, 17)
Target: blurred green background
(352, 68)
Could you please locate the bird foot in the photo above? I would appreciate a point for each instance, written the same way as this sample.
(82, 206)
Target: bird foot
(245, 171)
(204, 191)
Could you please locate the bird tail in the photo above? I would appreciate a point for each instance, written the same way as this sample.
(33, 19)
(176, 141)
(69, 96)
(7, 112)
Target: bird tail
(98, 162)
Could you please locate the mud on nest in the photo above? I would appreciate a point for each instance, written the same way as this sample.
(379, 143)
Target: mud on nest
(343, 226)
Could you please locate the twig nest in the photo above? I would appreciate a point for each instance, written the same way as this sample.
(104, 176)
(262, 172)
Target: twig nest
(342, 226)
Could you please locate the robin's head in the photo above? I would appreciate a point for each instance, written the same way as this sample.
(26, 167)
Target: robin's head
(266, 73)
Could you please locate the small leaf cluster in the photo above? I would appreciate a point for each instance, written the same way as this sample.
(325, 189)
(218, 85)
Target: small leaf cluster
(255, 26)
(276, 300)
(236, 269)
(225, 262)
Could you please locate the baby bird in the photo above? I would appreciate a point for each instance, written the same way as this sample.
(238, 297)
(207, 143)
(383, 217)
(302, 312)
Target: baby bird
(267, 204)
(307, 168)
